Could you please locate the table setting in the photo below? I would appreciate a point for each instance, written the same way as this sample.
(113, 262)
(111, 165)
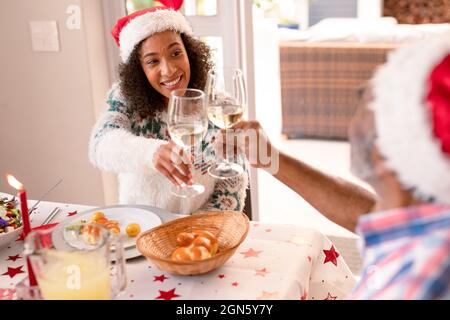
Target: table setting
(138, 252)
(267, 261)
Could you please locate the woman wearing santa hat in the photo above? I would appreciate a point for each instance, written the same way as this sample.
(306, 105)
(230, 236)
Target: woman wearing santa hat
(159, 54)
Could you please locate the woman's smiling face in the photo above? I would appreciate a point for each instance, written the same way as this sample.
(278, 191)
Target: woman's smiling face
(165, 62)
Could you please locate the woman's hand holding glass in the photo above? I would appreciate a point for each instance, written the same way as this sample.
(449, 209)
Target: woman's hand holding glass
(174, 163)
(187, 124)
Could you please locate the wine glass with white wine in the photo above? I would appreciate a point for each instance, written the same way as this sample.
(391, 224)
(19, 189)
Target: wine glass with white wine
(187, 125)
(226, 101)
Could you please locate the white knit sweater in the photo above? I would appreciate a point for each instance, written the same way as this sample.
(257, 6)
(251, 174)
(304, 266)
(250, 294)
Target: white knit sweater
(124, 143)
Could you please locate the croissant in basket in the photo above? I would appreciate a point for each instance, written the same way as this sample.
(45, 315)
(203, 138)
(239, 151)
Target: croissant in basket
(195, 245)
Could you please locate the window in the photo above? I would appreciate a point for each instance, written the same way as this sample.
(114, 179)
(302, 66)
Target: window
(189, 8)
(321, 9)
(216, 45)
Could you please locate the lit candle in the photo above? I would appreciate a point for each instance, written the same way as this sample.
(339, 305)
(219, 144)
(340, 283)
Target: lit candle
(22, 195)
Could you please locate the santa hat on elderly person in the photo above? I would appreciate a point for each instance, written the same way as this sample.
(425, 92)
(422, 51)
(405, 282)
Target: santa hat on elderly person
(132, 29)
(412, 116)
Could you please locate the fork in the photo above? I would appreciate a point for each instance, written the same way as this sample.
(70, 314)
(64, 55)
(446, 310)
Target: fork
(51, 216)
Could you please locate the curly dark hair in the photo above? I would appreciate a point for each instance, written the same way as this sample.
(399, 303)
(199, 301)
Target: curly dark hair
(141, 97)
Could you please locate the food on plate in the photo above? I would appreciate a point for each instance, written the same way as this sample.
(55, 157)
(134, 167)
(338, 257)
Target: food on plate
(133, 229)
(195, 245)
(90, 233)
(10, 217)
(98, 216)
(112, 225)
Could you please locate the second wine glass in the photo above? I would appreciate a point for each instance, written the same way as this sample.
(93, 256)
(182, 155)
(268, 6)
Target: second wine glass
(187, 125)
(226, 100)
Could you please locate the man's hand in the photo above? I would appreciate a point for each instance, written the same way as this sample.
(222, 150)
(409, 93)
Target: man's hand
(174, 163)
(250, 138)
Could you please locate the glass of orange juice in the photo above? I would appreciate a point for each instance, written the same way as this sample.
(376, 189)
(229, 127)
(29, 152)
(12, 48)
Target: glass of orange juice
(83, 270)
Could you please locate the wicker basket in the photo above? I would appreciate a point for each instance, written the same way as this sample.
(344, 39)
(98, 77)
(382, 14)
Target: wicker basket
(157, 244)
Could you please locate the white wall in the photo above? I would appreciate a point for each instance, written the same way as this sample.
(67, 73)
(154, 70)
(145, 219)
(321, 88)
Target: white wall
(48, 100)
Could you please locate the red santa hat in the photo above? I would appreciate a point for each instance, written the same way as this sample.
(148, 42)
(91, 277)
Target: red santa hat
(132, 29)
(412, 116)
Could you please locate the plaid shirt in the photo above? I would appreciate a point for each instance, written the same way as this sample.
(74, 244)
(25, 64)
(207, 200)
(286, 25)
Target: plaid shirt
(407, 254)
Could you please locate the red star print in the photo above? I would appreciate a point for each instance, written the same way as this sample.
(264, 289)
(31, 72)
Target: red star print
(221, 276)
(330, 297)
(304, 296)
(331, 256)
(160, 278)
(13, 271)
(21, 237)
(251, 253)
(72, 213)
(167, 295)
(235, 284)
(13, 258)
(262, 272)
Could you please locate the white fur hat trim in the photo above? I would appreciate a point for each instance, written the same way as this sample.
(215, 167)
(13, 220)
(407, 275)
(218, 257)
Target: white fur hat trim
(148, 24)
(403, 120)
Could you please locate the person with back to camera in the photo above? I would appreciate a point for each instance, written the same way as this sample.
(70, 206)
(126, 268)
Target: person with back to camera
(400, 145)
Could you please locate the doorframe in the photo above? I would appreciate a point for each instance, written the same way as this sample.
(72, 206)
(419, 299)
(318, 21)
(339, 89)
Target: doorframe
(112, 11)
(246, 44)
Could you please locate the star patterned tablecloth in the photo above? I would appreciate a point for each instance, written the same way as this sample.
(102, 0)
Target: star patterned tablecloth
(280, 262)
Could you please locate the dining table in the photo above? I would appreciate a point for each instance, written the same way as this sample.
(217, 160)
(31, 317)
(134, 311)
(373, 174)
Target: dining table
(274, 262)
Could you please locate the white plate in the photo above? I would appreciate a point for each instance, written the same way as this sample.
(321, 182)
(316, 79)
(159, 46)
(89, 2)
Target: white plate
(8, 237)
(144, 216)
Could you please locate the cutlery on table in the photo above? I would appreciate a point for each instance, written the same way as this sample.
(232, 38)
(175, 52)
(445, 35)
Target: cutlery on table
(51, 216)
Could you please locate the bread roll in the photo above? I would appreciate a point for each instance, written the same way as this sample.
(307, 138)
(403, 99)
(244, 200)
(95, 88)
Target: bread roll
(203, 242)
(191, 253)
(185, 239)
(214, 243)
(195, 245)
